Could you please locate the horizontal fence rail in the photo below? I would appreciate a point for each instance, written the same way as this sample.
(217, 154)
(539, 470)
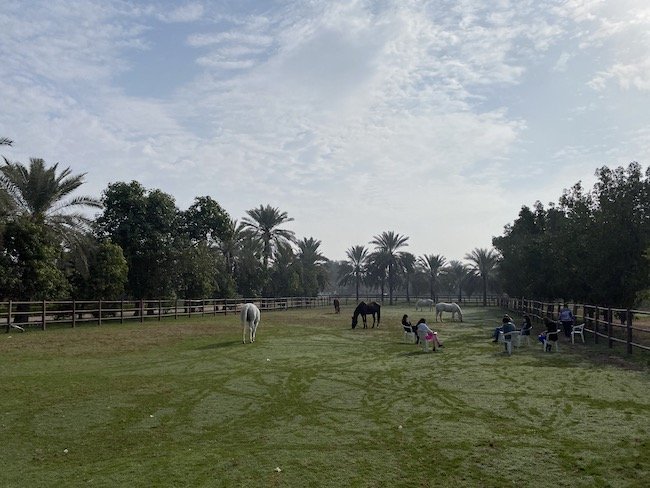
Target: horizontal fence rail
(627, 327)
(41, 314)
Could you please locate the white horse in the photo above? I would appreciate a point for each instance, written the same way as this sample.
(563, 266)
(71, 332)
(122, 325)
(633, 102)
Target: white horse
(448, 307)
(424, 302)
(250, 317)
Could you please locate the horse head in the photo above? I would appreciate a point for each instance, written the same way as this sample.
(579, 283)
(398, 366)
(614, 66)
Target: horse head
(354, 321)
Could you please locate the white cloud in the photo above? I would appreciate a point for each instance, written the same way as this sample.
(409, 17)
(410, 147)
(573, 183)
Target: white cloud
(353, 117)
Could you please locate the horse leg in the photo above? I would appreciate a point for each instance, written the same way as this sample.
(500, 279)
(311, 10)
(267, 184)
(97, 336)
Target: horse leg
(243, 328)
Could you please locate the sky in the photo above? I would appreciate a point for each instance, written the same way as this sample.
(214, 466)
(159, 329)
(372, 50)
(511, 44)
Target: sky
(437, 120)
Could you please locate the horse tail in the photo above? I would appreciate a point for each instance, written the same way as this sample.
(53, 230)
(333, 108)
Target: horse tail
(378, 315)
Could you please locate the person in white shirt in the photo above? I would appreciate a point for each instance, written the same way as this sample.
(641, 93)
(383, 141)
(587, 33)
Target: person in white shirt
(426, 334)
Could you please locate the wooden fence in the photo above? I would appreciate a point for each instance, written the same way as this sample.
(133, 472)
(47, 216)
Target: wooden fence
(41, 314)
(627, 327)
(21, 314)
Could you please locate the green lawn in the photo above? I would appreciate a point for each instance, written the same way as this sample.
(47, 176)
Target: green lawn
(184, 403)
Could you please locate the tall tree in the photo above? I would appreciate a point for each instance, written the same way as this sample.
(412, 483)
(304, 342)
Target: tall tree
(432, 264)
(356, 267)
(145, 225)
(312, 272)
(483, 263)
(457, 273)
(263, 224)
(44, 195)
(389, 244)
(408, 261)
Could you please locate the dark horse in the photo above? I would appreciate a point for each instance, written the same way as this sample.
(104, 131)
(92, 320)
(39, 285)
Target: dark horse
(364, 309)
(337, 306)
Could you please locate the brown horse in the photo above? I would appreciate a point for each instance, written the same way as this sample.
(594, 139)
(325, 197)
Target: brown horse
(364, 309)
(337, 306)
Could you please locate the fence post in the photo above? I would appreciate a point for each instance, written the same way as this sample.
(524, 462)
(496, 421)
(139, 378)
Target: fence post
(43, 316)
(176, 309)
(99, 313)
(74, 313)
(9, 317)
(596, 324)
(629, 331)
(609, 328)
(159, 310)
(141, 310)
(122, 311)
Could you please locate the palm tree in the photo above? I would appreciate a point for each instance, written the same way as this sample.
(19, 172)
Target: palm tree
(314, 276)
(407, 262)
(483, 263)
(263, 223)
(357, 260)
(41, 195)
(389, 243)
(230, 243)
(457, 273)
(432, 263)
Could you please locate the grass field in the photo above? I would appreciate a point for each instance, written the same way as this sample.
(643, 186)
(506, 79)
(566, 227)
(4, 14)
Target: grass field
(184, 403)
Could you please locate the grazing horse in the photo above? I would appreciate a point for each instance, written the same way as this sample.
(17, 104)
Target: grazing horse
(448, 307)
(250, 317)
(364, 309)
(424, 302)
(337, 306)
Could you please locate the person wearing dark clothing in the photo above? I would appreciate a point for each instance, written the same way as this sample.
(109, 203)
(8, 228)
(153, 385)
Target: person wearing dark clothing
(551, 332)
(410, 328)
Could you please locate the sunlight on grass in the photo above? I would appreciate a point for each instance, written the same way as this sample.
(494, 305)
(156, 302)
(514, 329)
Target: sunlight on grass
(184, 403)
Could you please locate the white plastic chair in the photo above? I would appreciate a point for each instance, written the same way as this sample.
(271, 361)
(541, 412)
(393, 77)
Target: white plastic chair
(510, 340)
(578, 330)
(409, 336)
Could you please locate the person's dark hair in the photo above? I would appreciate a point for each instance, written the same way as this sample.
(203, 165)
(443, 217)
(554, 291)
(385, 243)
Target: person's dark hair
(505, 320)
(405, 317)
(421, 321)
(527, 319)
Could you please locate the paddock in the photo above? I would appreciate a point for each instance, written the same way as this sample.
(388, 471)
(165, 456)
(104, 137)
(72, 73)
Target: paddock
(184, 403)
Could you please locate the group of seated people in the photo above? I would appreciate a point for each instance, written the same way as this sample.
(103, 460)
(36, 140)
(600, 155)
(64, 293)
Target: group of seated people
(507, 325)
(422, 331)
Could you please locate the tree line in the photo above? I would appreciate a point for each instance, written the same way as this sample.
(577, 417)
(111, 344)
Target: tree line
(140, 245)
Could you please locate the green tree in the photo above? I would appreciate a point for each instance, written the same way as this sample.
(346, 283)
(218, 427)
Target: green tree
(483, 263)
(457, 275)
(313, 274)
(44, 195)
(263, 223)
(30, 258)
(145, 225)
(388, 243)
(354, 270)
(407, 265)
(285, 272)
(432, 264)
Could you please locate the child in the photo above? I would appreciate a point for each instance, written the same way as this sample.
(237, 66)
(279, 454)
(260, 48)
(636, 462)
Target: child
(426, 334)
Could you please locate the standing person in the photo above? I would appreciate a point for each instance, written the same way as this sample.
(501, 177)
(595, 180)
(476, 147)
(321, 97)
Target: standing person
(425, 334)
(527, 326)
(406, 323)
(567, 319)
(551, 332)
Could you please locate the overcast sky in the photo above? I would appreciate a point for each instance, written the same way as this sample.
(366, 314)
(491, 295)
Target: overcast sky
(434, 119)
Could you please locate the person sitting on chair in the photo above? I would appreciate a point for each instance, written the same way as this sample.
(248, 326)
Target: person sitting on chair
(497, 330)
(508, 326)
(425, 334)
(410, 328)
